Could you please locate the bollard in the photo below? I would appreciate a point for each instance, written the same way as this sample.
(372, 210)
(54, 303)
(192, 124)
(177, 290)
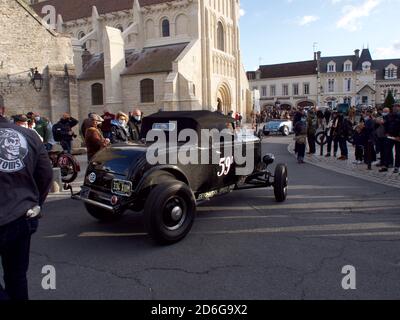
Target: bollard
(56, 186)
(322, 145)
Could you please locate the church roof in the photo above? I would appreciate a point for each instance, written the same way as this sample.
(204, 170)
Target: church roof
(94, 68)
(153, 60)
(77, 9)
(149, 60)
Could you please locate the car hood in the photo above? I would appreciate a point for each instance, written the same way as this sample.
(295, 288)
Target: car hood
(119, 159)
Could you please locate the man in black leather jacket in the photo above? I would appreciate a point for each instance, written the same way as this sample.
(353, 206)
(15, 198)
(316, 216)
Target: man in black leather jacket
(25, 179)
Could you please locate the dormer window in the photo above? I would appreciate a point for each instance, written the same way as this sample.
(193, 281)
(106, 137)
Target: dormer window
(332, 67)
(348, 66)
(391, 72)
(366, 66)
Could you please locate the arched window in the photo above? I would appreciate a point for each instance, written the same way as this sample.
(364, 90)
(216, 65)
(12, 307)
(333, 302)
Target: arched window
(165, 28)
(147, 91)
(81, 35)
(220, 37)
(97, 94)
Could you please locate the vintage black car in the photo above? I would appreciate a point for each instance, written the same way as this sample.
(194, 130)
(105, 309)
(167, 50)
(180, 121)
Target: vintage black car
(120, 177)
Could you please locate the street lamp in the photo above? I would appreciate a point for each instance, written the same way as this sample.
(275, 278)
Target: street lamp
(36, 80)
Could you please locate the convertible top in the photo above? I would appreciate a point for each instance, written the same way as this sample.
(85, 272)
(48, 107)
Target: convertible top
(196, 120)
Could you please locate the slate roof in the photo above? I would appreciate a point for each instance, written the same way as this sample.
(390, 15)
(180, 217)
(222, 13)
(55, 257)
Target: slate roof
(94, 69)
(153, 59)
(339, 60)
(380, 65)
(289, 69)
(149, 60)
(309, 67)
(77, 9)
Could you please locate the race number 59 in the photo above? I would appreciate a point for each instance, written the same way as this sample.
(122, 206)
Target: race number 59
(225, 164)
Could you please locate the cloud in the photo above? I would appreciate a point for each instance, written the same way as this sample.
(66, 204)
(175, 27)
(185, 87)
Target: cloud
(307, 20)
(352, 14)
(393, 51)
(242, 12)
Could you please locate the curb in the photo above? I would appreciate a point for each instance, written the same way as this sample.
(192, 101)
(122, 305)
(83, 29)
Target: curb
(388, 179)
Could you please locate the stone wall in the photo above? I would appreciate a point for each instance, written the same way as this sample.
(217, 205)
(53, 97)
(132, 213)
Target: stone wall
(131, 92)
(25, 43)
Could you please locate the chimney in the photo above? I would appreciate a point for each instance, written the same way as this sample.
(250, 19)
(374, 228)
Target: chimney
(319, 55)
(357, 53)
(315, 56)
(86, 56)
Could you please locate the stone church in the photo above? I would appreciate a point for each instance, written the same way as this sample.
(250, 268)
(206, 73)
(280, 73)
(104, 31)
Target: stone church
(27, 46)
(153, 54)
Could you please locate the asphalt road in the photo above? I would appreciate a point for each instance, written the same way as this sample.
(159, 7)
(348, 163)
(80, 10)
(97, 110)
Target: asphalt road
(243, 246)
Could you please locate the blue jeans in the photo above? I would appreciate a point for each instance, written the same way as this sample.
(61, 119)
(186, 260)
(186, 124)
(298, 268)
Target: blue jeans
(15, 240)
(66, 145)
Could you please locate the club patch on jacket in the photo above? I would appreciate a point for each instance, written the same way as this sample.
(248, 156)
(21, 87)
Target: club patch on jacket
(13, 150)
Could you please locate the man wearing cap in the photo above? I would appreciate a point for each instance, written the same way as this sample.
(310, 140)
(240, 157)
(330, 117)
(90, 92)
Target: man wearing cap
(25, 179)
(94, 138)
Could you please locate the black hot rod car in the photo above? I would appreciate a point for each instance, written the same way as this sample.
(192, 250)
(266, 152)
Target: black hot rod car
(120, 177)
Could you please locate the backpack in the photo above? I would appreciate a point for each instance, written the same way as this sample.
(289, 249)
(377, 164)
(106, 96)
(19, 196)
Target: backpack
(57, 132)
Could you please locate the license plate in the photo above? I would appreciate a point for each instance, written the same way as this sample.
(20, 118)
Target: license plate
(85, 193)
(121, 187)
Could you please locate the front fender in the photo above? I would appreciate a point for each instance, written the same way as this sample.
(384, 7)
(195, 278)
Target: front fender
(151, 176)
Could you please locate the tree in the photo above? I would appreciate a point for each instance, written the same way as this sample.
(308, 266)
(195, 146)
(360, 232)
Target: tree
(389, 101)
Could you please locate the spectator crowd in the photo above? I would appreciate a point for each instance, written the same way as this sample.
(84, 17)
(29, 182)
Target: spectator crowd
(374, 133)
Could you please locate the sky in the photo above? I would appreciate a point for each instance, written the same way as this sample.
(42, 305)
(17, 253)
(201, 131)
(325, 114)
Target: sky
(279, 31)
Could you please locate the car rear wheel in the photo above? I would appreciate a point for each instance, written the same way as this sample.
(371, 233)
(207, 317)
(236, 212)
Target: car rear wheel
(101, 214)
(169, 212)
(281, 183)
(285, 131)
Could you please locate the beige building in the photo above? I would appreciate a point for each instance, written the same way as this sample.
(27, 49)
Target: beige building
(25, 48)
(355, 79)
(287, 85)
(153, 54)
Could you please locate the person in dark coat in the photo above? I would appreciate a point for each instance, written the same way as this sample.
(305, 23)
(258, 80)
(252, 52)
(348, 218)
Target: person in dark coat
(135, 124)
(25, 180)
(370, 139)
(312, 124)
(392, 133)
(359, 143)
(343, 132)
(119, 129)
(300, 130)
(65, 125)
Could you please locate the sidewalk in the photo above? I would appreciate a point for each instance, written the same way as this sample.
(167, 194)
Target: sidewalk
(75, 185)
(347, 167)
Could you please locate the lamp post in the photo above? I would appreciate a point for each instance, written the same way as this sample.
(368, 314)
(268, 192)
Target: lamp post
(36, 80)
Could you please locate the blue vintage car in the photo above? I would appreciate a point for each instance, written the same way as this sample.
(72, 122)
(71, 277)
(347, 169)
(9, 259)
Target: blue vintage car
(281, 126)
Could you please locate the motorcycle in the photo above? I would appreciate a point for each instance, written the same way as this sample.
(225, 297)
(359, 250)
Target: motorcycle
(67, 163)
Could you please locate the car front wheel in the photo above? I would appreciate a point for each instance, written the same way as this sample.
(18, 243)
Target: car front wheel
(281, 183)
(169, 212)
